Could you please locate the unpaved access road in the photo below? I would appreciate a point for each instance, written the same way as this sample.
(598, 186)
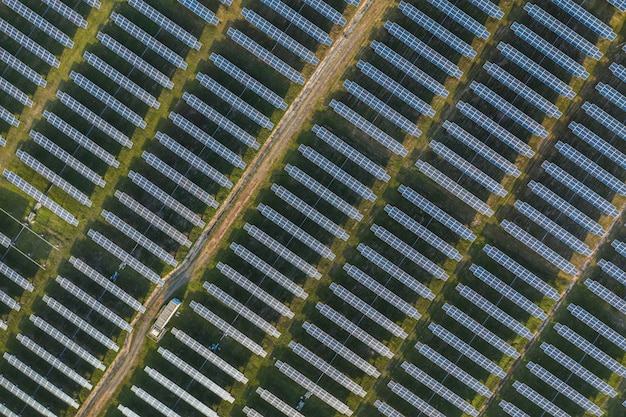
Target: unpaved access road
(354, 35)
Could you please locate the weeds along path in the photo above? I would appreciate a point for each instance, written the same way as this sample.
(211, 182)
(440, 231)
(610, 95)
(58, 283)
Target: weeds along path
(315, 90)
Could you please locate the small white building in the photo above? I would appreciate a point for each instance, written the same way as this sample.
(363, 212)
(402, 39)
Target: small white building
(167, 312)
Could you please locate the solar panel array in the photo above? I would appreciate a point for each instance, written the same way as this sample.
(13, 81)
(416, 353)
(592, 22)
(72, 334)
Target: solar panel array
(26, 71)
(299, 21)
(27, 43)
(164, 22)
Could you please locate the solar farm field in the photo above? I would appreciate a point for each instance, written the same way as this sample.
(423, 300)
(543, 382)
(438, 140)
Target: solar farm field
(367, 208)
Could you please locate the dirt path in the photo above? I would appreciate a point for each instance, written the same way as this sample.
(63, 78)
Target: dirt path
(345, 48)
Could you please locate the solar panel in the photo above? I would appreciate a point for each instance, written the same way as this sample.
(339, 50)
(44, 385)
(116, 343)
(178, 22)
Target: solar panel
(299, 21)
(549, 50)
(224, 123)
(323, 192)
(479, 330)
(354, 330)
(26, 71)
(423, 50)
(327, 11)
(208, 355)
(282, 251)
(495, 129)
(94, 304)
(337, 173)
(612, 95)
(340, 349)
(201, 11)
(591, 167)
(227, 329)
(67, 12)
(235, 101)
(438, 388)
(489, 8)
(40, 197)
(152, 218)
(127, 411)
(119, 78)
(422, 232)
(481, 149)
(453, 369)
(414, 400)
(382, 108)
(16, 391)
(591, 350)
(552, 227)
(523, 90)
(512, 409)
(351, 153)
(538, 399)
(8, 117)
(395, 88)
(521, 272)
(40, 23)
(15, 92)
(494, 311)
(326, 368)
(254, 290)
(467, 168)
(586, 18)
(136, 61)
(166, 199)
(598, 326)
(53, 361)
(5, 240)
(73, 318)
(618, 70)
(80, 139)
(563, 31)
(381, 291)
(248, 81)
(279, 36)
(368, 128)
(614, 271)
(195, 374)
(386, 409)
(265, 56)
(598, 144)
(436, 213)
(367, 310)
(139, 237)
(277, 403)
(536, 70)
(313, 388)
(153, 402)
(409, 69)
(53, 177)
(605, 119)
(566, 208)
(294, 230)
(508, 109)
(579, 188)
(125, 257)
(268, 270)
(67, 342)
(202, 137)
(437, 30)
(241, 309)
(391, 268)
(15, 277)
(454, 188)
(508, 292)
(165, 23)
(461, 18)
(105, 283)
(179, 179)
(93, 119)
(310, 212)
(195, 161)
(28, 44)
(578, 369)
(9, 302)
(93, 3)
(107, 99)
